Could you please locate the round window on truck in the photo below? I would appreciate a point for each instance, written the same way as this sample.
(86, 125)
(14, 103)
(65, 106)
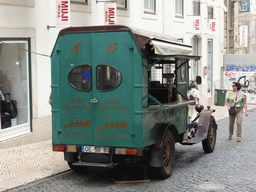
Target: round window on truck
(108, 78)
(81, 77)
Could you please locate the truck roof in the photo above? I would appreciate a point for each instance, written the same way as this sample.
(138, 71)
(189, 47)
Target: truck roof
(141, 37)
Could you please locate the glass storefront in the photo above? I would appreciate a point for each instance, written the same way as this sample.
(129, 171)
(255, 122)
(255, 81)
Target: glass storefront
(14, 87)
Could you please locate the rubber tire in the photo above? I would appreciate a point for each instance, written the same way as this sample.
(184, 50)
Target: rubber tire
(210, 141)
(168, 151)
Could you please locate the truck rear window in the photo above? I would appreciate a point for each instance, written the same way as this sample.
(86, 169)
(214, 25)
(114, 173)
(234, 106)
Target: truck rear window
(108, 77)
(81, 77)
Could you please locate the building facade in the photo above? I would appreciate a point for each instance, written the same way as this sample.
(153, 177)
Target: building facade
(241, 27)
(28, 34)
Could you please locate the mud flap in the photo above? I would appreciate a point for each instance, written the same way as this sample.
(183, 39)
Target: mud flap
(70, 157)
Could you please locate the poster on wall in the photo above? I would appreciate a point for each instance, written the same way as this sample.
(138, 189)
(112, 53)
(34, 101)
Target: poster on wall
(246, 79)
(63, 13)
(242, 69)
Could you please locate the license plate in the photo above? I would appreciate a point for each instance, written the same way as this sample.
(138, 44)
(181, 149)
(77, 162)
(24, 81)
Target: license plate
(93, 149)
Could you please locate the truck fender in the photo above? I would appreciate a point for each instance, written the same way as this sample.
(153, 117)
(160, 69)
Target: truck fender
(156, 154)
(203, 122)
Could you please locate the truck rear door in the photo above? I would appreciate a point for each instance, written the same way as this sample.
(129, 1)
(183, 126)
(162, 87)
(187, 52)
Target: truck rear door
(112, 60)
(95, 89)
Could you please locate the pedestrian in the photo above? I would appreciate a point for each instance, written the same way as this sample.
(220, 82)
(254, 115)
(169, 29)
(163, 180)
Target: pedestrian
(193, 94)
(236, 99)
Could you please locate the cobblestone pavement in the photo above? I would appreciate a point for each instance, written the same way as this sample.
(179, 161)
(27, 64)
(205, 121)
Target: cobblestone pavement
(231, 167)
(27, 159)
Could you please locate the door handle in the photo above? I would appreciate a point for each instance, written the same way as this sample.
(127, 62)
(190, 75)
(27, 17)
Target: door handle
(94, 100)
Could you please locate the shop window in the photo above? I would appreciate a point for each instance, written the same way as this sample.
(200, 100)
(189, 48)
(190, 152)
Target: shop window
(179, 8)
(108, 78)
(150, 6)
(14, 84)
(81, 78)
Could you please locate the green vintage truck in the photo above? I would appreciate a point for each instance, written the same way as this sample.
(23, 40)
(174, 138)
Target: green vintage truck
(119, 96)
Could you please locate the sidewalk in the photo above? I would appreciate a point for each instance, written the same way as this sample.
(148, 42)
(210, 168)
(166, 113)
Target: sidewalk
(24, 164)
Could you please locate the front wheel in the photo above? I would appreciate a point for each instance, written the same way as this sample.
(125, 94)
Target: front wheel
(168, 154)
(210, 141)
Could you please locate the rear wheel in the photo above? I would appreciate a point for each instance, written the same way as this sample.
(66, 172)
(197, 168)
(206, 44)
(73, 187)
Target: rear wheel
(209, 142)
(168, 151)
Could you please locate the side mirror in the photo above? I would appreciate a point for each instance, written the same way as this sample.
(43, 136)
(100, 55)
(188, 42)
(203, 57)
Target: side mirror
(198, 80)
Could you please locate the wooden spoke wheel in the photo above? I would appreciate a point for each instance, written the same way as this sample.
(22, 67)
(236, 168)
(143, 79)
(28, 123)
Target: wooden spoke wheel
(210, 141)
(168, 151)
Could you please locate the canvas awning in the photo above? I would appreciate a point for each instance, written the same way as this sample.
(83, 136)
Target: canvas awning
(163, 48)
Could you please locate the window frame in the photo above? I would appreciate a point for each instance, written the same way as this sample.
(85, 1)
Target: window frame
(210, 12)
(97, 81)
(24, 128)
(72, 85)
(179, 9)
(181, 40)
(198, 3)
(27, 3)
(86, 2)
(209, 79)
(150, 11)
(119, 6)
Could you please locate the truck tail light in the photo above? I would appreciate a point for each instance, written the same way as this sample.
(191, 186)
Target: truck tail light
(124, 151)
(59, 148)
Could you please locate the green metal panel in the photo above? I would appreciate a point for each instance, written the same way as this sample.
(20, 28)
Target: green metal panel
(76, 120)
(55, 95)
(138, 86)
(73, 107)
(114, 111)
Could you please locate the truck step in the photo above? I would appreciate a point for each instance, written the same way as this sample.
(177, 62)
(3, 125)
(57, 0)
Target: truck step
(89, 164)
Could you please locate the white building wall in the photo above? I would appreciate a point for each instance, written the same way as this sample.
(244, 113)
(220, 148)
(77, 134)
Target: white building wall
(34, 16)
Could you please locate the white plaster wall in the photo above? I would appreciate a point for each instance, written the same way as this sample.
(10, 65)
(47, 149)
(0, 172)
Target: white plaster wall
(16, 16)
(43, 14)
(45, 40)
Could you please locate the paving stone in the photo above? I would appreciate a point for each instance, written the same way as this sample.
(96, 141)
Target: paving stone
(231, 166)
